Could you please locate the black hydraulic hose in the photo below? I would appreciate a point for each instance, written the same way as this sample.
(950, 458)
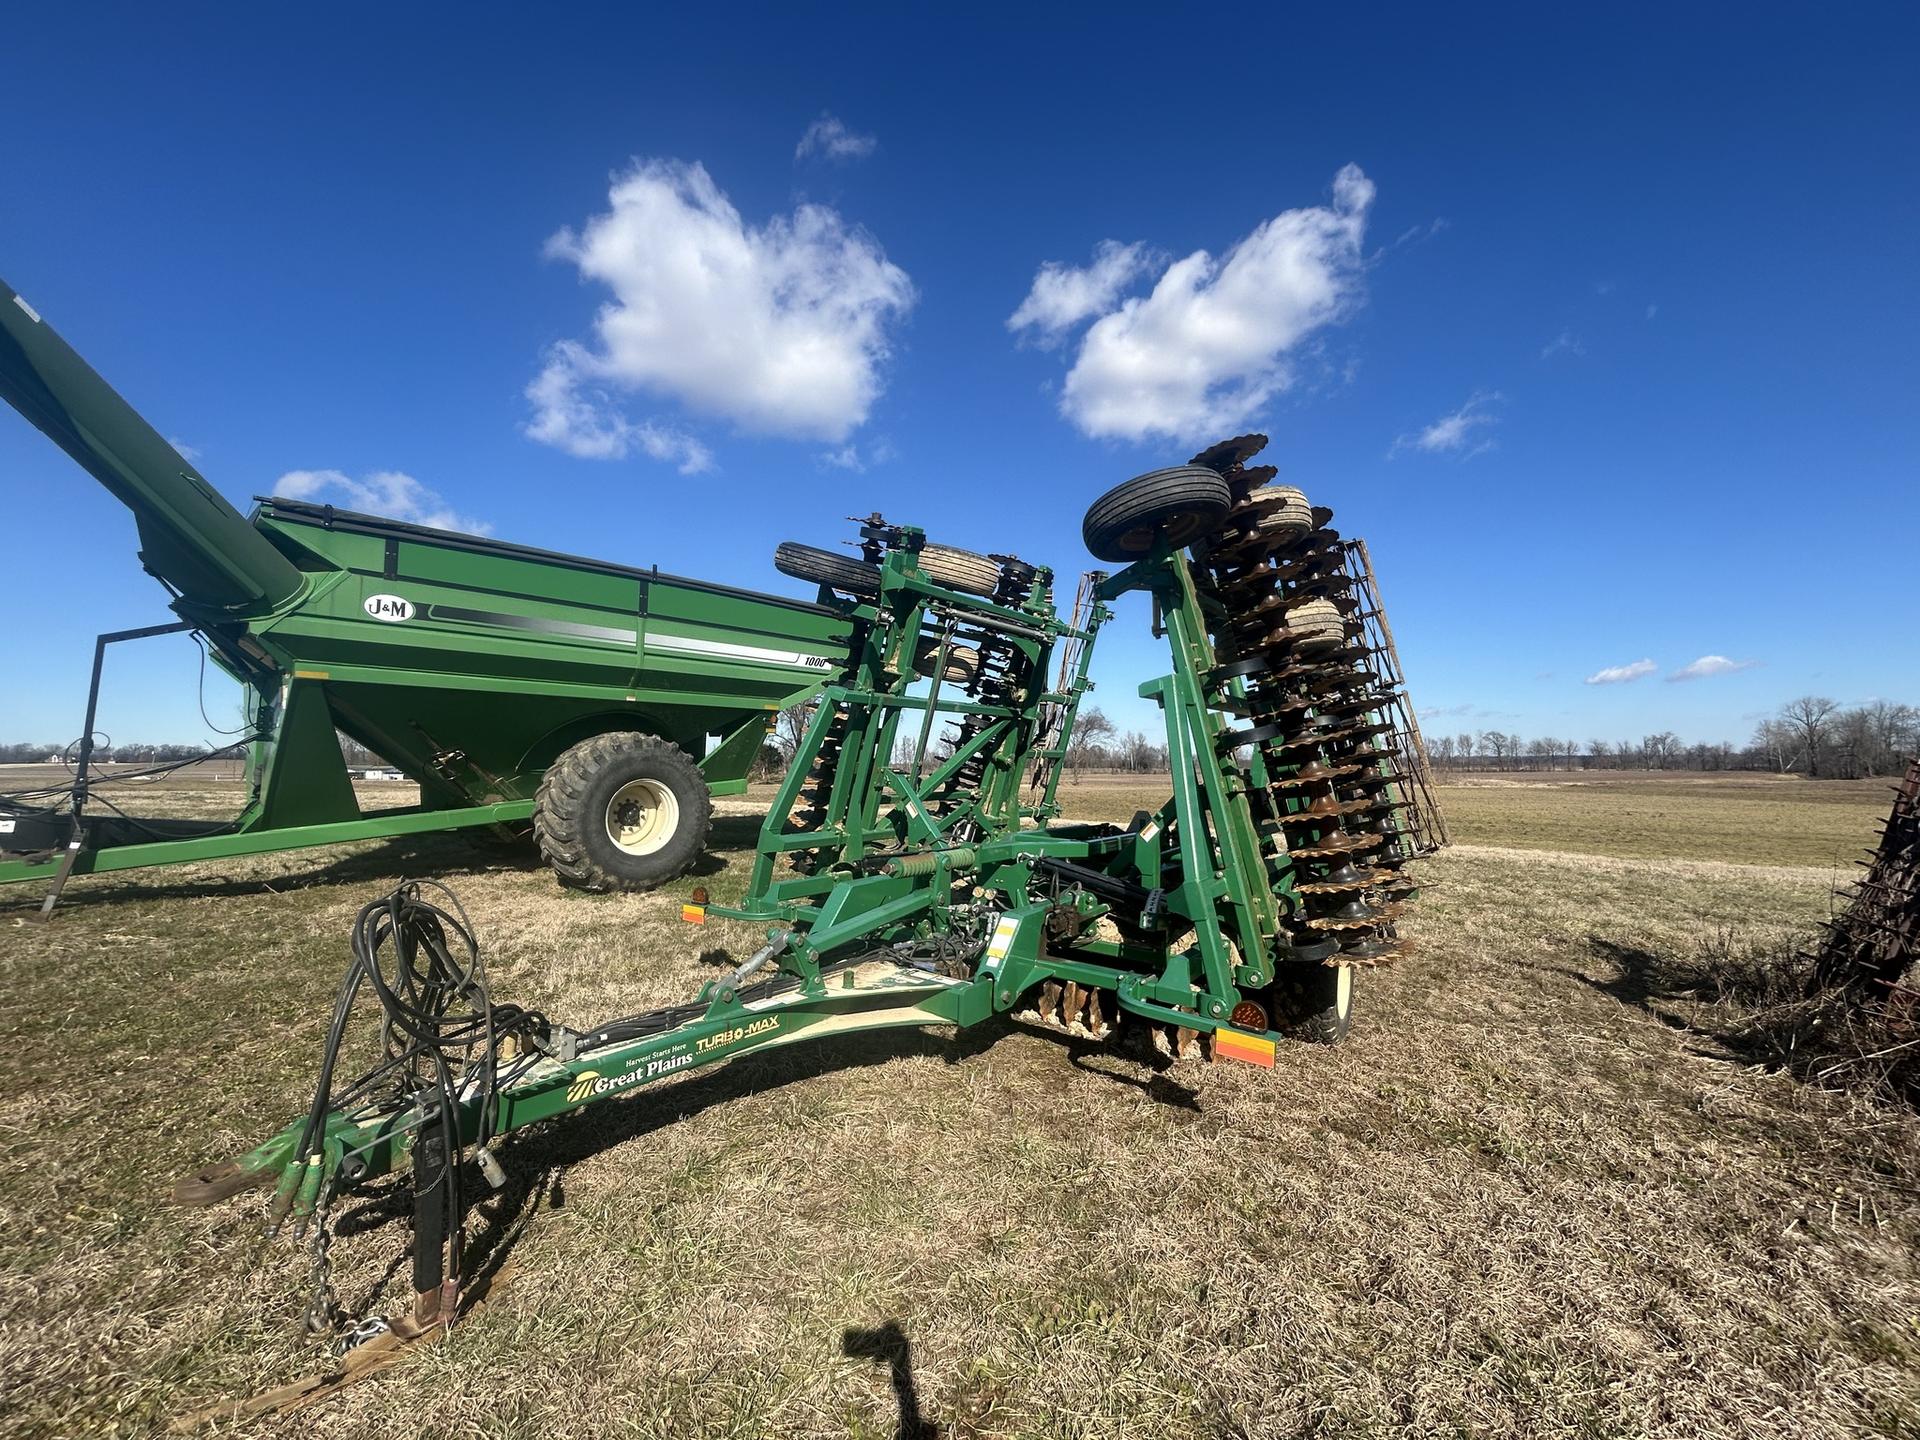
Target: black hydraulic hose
(434, 1002)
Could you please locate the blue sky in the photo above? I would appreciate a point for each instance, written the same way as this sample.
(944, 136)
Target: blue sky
(1605, 342)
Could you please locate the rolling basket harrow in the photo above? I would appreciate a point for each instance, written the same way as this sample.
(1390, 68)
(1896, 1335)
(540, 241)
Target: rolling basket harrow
(913, 869)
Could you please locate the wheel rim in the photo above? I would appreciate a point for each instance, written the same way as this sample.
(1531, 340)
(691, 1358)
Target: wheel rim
(641, 817)
(1179, 528)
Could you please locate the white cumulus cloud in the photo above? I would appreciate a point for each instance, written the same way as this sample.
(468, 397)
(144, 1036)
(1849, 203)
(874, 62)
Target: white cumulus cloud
(391, 493)
(1710, 665)
(576, 415)
(1621, 674)
(1209, 344)
(1458, 433)
(829, 136)
(781, 328)
(1064, 295)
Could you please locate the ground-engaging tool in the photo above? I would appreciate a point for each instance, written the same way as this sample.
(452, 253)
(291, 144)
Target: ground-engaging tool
(1872, 947)
(598, 702)
(912, 870)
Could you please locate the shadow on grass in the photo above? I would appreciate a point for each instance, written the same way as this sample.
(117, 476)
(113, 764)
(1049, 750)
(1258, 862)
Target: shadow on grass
(537, 1161)
(405, 857)
(1762, 1006)
(1642, 979)
(1755, 1007)
(888, 1344)
(1159, 1086)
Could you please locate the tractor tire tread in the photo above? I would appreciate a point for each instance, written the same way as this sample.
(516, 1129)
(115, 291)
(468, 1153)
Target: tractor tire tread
(561, 813)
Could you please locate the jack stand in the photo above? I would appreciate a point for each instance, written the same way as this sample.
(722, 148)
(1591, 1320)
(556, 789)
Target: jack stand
(433, 1299)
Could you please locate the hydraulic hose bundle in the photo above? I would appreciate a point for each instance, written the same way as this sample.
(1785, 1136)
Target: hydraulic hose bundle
(442, 1040)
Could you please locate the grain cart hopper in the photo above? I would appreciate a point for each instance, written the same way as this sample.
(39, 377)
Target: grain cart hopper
(599, 702)
(912, 871)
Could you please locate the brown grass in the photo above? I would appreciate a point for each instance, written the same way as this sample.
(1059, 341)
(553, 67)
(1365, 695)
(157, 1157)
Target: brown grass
(1535, 1195)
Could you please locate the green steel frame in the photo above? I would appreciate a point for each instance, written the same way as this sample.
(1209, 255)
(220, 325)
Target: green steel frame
(933, 908)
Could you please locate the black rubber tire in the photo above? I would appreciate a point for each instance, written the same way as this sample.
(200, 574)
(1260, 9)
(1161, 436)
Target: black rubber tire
(963, 661)
(959, 569)
(570, 816)
(824, 567)
(1182, 503)
(1314, 1002)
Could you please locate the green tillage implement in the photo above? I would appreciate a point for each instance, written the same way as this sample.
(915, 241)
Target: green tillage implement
(909, 880)
(475, 667)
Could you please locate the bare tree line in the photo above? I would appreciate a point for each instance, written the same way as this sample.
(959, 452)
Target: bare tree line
(1812, 735)
(33, 752)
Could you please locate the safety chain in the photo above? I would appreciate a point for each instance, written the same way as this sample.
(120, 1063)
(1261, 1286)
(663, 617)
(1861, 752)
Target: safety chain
(323, 1308)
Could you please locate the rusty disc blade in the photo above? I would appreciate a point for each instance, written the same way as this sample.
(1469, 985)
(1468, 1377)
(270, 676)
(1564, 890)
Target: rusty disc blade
(1225, 455)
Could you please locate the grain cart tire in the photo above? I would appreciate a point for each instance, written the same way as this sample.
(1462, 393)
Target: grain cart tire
(1183, 503)
(823, 567)
(959, 569)
(1315, 1002)
(622, 812)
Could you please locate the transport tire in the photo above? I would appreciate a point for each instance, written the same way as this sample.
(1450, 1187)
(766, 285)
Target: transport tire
(1319, 624)
(1315, 1002)
(963, 661)
(959, 569)
(1182, 503)
(1285, 513)
(824, 567)
(622, 811)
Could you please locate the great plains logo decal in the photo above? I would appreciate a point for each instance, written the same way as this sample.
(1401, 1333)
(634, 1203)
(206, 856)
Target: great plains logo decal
(591, 1084)
(390, 608)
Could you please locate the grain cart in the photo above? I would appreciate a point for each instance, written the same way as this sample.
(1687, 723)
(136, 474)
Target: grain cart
(600, 702)
(912, 870)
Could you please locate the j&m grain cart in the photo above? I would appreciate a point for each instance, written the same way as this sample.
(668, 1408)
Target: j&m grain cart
(598, 702)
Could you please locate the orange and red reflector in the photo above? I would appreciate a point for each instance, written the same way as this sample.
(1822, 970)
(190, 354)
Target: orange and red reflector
(1252, 1049)
(694, 914)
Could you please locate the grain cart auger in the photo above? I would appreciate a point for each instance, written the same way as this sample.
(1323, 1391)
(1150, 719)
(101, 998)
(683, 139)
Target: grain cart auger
(601, 703)
(912, 871)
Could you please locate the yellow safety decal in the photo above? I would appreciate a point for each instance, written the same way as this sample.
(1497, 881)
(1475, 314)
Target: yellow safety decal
(311, 674)
(1002, 940)
(694, 914)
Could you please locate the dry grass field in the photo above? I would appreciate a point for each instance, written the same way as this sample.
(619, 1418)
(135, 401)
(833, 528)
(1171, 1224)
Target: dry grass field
(1545, 1190)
